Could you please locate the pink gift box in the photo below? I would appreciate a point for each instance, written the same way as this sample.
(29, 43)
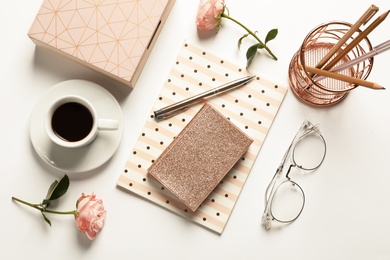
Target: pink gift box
(112, 37)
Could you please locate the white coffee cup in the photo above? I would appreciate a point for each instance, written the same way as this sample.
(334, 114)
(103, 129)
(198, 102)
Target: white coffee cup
(72, 122)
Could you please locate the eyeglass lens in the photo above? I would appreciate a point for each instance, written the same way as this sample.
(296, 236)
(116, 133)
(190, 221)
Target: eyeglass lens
(287, 202)
(309, 151)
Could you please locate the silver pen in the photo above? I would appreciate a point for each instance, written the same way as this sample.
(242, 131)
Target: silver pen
(375, 51)
(183, 105)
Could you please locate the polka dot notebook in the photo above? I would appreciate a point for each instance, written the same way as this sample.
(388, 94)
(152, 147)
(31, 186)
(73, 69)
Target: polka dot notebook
(252, 108)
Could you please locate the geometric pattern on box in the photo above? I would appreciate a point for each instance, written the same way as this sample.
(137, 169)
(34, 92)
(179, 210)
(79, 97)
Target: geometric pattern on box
(252, 108)
(108, 35)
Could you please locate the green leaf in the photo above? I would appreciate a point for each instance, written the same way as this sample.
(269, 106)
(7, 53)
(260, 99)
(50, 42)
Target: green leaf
(51, 189)
(251, 53)
(240, 40)
(271, 35)
(57, 189)
(45, 203)
(46, 219)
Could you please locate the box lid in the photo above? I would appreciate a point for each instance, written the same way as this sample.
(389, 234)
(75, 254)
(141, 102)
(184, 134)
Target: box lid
(110, 36)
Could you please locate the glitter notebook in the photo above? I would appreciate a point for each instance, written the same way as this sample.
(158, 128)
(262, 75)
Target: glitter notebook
(252, 108)
(200, 156)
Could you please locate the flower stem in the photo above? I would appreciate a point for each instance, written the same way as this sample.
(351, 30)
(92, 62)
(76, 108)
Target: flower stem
(251, 33)
(40, 208)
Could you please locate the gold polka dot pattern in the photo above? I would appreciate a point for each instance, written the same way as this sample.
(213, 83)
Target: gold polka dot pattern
(252, 108)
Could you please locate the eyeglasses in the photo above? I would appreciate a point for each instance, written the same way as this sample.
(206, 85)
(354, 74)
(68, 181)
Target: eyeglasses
(284, 198)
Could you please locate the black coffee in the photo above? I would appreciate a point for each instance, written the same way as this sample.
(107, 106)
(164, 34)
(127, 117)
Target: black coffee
(72, 121)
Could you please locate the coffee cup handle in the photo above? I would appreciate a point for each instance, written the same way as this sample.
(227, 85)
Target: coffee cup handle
(108, 124)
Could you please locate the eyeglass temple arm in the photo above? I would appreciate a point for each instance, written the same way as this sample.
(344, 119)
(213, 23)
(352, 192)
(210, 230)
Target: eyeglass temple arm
(271, 185)
(279, 170)
(266, 218)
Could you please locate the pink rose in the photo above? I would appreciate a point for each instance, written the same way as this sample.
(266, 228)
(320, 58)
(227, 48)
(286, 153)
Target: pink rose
(90, 215)
(209, 14)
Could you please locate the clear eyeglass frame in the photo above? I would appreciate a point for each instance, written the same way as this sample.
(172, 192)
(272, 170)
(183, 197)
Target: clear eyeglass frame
(279, 179)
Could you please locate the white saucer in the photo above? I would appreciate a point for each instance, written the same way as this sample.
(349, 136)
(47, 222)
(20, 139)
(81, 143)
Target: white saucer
(74, 160)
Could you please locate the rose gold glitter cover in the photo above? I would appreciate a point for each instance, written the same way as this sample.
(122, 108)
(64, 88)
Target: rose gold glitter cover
(200, 156)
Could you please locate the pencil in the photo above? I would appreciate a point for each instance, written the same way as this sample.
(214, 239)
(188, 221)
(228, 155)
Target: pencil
(375, 51)
(345, 78)
(371, 11)
(356, 41)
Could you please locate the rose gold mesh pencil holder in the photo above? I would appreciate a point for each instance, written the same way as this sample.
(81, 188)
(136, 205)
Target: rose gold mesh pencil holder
(318, 91)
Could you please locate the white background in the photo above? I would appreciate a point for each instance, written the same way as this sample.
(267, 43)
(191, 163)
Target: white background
(347, 214)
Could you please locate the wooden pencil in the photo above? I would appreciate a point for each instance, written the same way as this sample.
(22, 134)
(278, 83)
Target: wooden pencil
(345, 78)
(362, 20)
(356, 41)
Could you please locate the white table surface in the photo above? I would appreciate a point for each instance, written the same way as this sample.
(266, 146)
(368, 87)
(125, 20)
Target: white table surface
(347, 213)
